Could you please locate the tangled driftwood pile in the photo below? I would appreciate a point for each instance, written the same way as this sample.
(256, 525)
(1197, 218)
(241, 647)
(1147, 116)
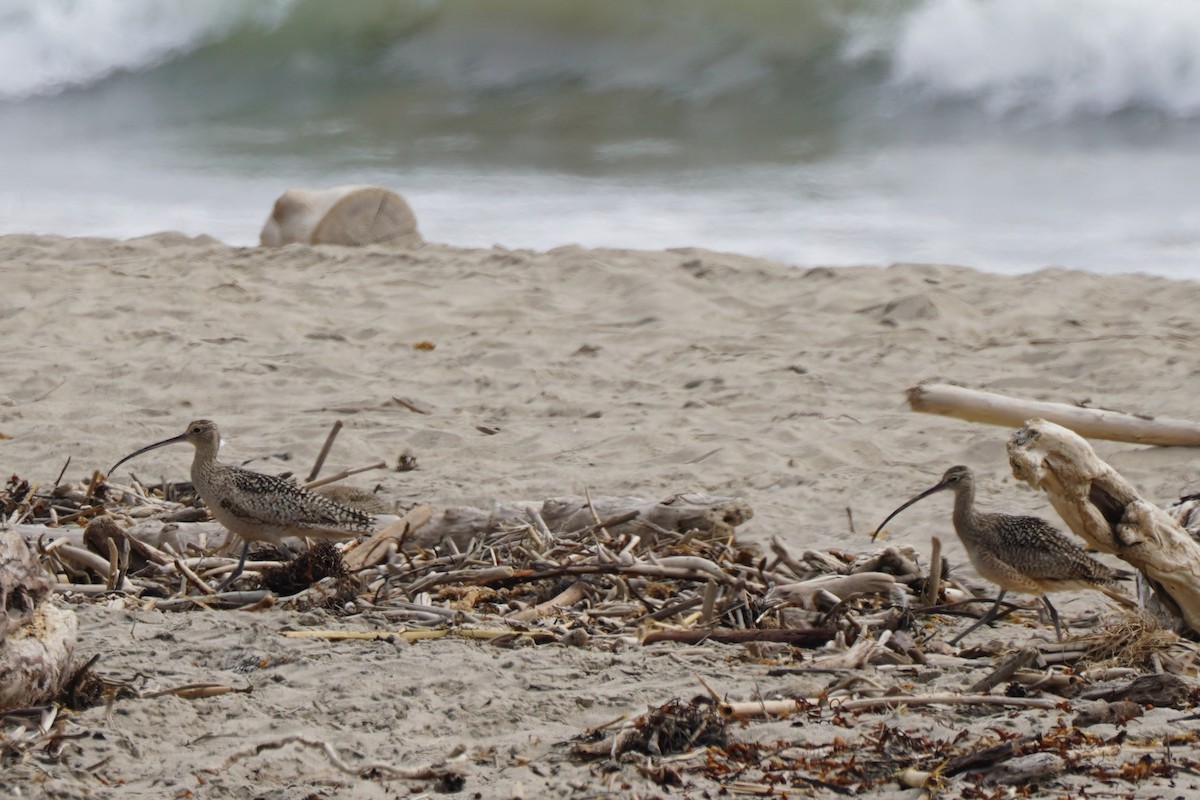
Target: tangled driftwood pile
(610, 572)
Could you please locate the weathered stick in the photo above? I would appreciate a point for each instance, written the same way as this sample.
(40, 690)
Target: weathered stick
(325, 448)
(1095, 423)
(784, 708)
(569, 597)
(484, 634)
(1102, 508)
(341, 476)
(840, 586)
(1009, 667)
(375, 549)
(802, 637)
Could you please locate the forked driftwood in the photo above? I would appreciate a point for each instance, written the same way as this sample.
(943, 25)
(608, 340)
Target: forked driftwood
(1094, 423)
(1103, 509)
(37, 637)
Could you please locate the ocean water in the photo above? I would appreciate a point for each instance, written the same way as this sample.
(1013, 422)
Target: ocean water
(1008, 135)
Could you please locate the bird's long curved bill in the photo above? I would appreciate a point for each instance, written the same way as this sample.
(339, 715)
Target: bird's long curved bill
(921, 496)
(173, 440)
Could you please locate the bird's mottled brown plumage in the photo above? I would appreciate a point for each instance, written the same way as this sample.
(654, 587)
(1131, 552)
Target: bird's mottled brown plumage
(258, 507)
(1018, 553)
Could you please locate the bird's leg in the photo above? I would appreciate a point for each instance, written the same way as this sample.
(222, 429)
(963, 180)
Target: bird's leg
(237, 571)
(1053, 612)
(985, 619)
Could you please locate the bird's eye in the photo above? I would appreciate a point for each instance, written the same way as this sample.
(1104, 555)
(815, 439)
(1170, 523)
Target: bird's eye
(196, 429)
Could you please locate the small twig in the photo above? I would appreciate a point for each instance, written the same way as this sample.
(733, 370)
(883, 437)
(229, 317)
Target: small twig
(411, 405)
(97, 476)
(114, 563)
(197, 691)
(346, 473)
(797, 637)
(784, 708)
(316, 470)
(58, 480)
(1008, 667)
(193, 578)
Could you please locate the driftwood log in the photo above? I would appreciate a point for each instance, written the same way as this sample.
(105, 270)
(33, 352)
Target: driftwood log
(1094, 423)
(37, 638)
(1103, 509)
(710, 517)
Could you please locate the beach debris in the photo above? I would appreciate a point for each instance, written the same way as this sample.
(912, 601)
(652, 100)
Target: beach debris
(1095, 423)
(846, 747)
(1017, 553)
(343, 215)
(675, 727)
(37, 636)
(1109, 514)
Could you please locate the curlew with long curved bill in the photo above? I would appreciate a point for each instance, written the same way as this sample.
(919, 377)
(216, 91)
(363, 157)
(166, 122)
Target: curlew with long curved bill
(258, 507)
(1018, 554)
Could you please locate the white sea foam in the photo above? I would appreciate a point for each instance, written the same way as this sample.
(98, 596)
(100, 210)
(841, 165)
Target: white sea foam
(47, 46)
(1058, 59)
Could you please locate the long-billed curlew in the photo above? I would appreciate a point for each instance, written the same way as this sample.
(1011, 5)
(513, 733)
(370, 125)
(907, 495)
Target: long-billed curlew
(1019, 554)
(258, 507)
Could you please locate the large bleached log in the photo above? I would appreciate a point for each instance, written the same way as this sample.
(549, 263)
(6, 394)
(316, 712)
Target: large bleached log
(345, 215)
(1102, 508)
(1094, 423)
(713, 517)
(37, 638)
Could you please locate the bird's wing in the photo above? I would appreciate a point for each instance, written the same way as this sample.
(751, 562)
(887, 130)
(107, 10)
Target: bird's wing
(271, 501)
(1043, 552)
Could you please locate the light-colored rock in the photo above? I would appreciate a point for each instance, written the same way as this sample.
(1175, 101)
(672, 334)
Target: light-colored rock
(345, 215)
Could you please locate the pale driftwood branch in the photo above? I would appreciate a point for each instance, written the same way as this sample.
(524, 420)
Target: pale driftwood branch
(375, 549)
(840, 586)
(797, 637)
(37, 638)
(570, 596)
(341, 476)
(784, 708)
(1102, 508)
(1094, 423)
(1007, 668)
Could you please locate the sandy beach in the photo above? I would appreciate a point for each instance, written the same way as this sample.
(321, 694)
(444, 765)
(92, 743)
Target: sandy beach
(615, 372)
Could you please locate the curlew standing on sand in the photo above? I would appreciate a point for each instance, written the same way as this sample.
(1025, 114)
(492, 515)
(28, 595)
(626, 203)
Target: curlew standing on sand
(258, 507)
(1018, 554)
